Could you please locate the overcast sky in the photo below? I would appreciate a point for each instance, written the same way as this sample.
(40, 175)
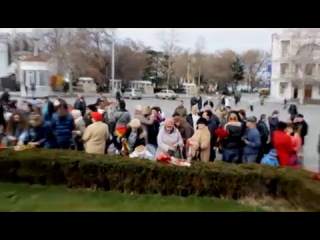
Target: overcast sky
(237, 39)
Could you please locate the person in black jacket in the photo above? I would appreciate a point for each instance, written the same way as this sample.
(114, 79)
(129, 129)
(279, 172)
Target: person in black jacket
(264, 134)
(232, 145)
(3, 123)
(5, 98)
(80, 104)
(293, 111)
(212, 126)
(273, 123)
(302, 127)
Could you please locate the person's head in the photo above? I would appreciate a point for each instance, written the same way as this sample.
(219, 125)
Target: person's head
(298, 118)
(15, 120)
(16, 117)
(275, 113)
(233, 116)
(122, 105)
(263, 117)
(76, 114)
(282, 126)
(91, 108)
(96, 117)
(63, 109)
(35, 121)
(207, 114)
(289, 129)
(251, 122)
(181, 103)
(7, 90)
(178, 121)
(138, 109)
(228, 109)
(103, 103)
(155, 110)
(80, 96)
(169, 125)
(202, 123)
(242, 114)
(135, 124)
(45, 99)
(195, 110)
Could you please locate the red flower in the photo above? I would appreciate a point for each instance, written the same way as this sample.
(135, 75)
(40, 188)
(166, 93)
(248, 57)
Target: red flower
(221, 133)
(163, 158)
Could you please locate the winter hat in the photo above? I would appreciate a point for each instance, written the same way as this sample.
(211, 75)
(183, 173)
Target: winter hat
(96, 116)
(251, 119)
(135, 123)
(202, 121)
(169, 122)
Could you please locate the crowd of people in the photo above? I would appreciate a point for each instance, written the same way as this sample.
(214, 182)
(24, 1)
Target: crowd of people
(102, 128)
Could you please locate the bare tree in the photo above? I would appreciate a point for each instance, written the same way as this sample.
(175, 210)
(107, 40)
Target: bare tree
(254, 62)
(170, 48)
(199, 46)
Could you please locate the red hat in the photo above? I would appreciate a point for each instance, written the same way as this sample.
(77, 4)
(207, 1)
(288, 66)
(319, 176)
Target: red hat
(96, 116)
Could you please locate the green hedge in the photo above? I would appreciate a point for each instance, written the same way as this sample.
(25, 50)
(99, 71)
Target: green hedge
(117, 173)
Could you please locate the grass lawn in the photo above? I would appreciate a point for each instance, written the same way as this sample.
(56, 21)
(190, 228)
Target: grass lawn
(23, 197)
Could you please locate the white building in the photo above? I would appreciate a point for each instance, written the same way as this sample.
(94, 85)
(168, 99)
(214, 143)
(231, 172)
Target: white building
(34, 77)
(4, 58)
(296, 65)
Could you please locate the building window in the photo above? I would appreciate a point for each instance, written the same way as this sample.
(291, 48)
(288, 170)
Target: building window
(310, 69)
(284, 67)
(283, 86)
(285, 44)
(298, 70)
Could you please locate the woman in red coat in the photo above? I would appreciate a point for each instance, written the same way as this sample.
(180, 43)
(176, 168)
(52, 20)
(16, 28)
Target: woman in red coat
(282, 142)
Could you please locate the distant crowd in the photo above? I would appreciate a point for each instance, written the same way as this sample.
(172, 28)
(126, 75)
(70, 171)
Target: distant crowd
(109, 128)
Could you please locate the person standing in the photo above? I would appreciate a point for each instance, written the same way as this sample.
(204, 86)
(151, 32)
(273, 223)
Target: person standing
(47, 109)
(80, 104)
(96, 135)
(252, 141)
(264, 134)
(273, 123)
(212, 126)
(282, 143)
(302, 127)
(193, 117)
(180, 110)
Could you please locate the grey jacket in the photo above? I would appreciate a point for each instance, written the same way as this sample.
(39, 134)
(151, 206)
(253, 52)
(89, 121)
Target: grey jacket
(121, 118)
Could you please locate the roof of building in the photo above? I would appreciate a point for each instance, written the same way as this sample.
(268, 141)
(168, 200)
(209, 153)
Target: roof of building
(33, 58)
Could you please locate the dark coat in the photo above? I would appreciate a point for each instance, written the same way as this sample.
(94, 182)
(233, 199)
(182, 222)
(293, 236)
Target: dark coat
(264, 132)
(303, 130)
(62, 128)
(273, 123)
(81, 106)
(36, 134)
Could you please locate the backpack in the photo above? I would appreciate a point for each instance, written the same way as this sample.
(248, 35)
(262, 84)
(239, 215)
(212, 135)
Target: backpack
(223, 101)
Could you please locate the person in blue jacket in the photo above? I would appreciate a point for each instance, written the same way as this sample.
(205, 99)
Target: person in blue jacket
(62, 126)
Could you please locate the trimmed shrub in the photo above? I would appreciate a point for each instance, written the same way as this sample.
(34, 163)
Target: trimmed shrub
(116, 173)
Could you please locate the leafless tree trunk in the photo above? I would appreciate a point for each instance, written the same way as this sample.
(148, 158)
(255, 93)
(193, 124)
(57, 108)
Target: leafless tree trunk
(200, 46)
(170, 49)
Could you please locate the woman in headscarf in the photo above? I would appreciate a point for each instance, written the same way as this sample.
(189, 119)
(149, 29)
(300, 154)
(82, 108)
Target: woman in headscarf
(96, 135)
(169, 139)
(200, 142)
(62, 126)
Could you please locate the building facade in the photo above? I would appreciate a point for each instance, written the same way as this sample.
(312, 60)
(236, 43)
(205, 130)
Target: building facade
(296, 65)
(4, 58)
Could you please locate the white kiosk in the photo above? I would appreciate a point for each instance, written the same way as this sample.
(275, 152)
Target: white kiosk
(88, 84)
(33, 74)
(114, 85)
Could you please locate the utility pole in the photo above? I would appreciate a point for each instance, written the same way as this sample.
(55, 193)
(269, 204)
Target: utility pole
(188, 68)
(199, 76)
(112, 57)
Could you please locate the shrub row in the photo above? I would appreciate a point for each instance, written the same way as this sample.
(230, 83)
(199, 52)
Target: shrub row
(116, 173)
